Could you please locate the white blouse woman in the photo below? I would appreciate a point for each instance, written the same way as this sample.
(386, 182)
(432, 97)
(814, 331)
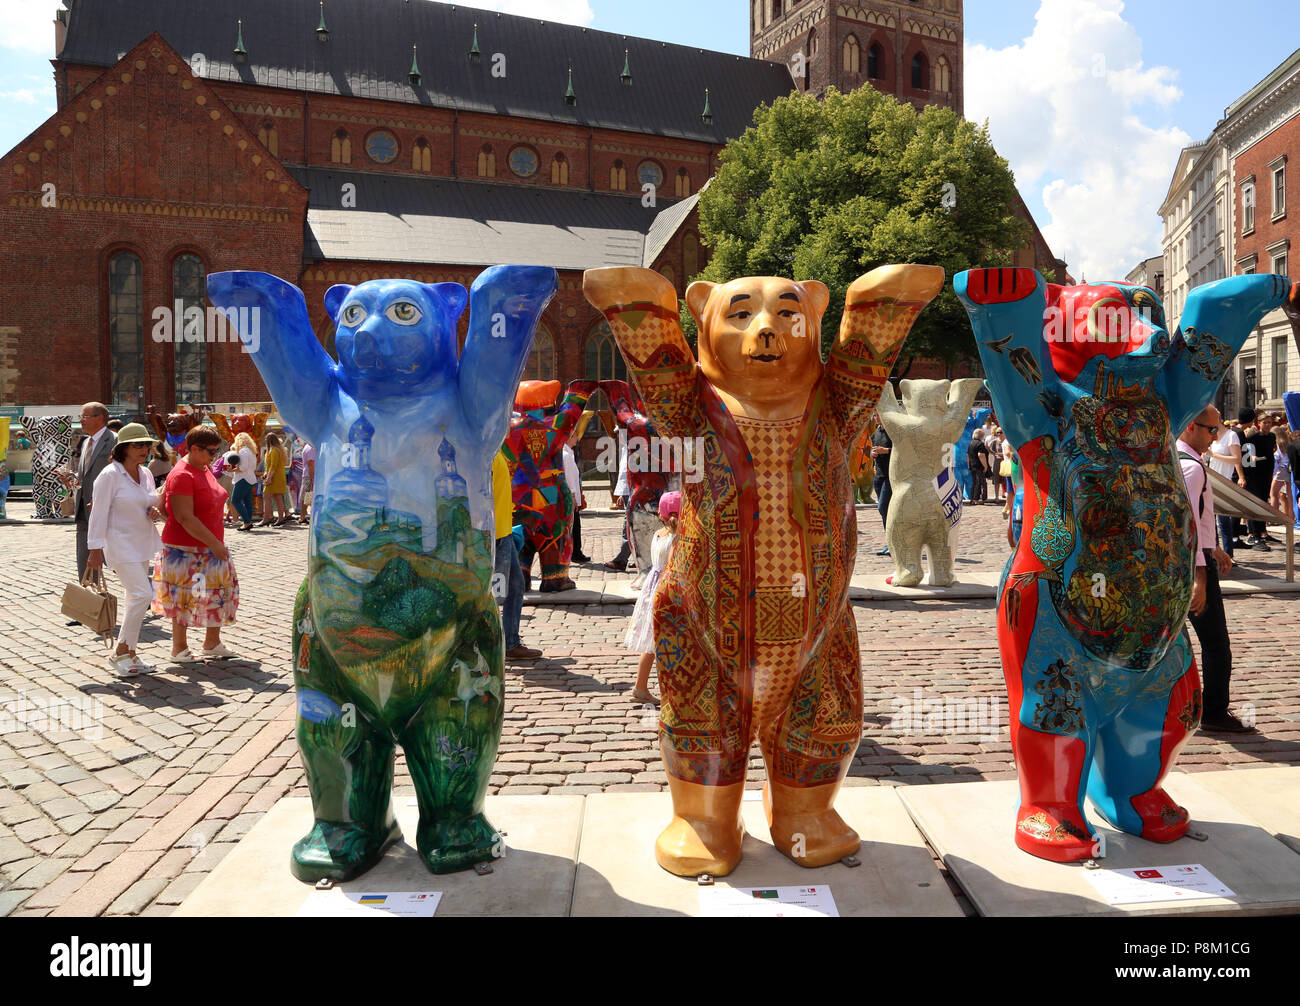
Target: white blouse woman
(121, 533)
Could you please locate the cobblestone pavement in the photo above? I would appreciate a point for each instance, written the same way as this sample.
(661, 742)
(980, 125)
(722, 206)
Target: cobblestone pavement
(119, 797)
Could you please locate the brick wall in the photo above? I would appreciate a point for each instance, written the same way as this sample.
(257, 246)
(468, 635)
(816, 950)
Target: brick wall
(145, 159)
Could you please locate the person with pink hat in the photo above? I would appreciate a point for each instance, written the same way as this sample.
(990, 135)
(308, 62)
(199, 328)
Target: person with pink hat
(641, 632)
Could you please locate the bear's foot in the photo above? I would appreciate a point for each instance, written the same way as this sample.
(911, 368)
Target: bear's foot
(691, 846)
(1055, 831)
(1162, 819)
(706, 832)
(337, 851)
(805, 827)
(453, 844)
(907, 578)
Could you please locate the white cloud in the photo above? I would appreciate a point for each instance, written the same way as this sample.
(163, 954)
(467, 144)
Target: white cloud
(25, 96)
(566, 11)
(1082, 121)
(29, 26)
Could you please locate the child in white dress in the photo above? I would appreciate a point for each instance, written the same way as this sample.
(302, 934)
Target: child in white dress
(641, 632)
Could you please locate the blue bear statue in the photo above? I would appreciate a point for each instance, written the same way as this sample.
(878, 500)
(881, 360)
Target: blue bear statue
(396, 637)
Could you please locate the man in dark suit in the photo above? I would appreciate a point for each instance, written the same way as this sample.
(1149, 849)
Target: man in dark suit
(94, 452)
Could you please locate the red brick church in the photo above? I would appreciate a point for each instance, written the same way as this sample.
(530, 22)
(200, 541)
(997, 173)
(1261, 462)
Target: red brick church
(350, 140)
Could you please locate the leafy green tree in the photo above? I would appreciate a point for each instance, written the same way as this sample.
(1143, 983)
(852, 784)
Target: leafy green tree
(830, 188)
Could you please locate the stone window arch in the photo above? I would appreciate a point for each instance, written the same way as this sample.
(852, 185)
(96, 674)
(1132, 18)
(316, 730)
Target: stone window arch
(560, 170)
(421, 155)
(920, 72)
(341, 148)
(852, 60)
(190, 358)
(541, 360)
(126, 330)
(876, 61)
(269, 138)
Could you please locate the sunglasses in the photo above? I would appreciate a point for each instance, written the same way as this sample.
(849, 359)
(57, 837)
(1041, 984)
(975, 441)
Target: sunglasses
(1212, 429)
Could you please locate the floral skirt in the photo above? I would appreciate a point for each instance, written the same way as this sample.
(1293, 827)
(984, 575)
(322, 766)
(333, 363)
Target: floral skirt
(193, 587)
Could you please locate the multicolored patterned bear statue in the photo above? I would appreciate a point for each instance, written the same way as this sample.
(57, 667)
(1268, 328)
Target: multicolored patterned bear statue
(1088, 384)
(754, 634)
(646, 483)
(543, 503)
(173, 428)
(397, 639)
(52, 476)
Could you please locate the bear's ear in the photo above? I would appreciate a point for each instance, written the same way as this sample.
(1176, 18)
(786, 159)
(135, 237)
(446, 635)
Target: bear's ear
(697, 298)
(906, 388)
(334, 298)
(451, 295)
(818, 296)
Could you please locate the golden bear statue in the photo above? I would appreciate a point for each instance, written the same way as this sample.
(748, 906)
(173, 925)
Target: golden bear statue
(755, 639)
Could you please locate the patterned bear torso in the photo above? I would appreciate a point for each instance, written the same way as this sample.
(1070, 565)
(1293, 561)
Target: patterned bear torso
(400, 543)
(1108, 505)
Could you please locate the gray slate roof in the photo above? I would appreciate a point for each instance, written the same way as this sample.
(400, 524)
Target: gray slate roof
(440, 221)
(369, 55)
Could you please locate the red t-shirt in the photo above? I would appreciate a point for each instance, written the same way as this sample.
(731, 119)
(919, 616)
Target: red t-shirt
(209, 503)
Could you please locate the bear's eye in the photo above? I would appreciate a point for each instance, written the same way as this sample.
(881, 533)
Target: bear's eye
(353, 315)
(403, 312)
(787, 313)
(739, 315)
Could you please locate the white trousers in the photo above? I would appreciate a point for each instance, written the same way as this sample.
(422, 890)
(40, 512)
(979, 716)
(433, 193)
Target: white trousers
(137, 585)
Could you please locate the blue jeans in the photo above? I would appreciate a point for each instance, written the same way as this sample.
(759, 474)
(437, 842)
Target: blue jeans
(884, 493)
(241, 498)
(1227, 532)
(508, 588)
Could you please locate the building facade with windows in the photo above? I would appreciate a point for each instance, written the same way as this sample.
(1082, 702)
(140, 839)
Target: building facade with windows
(1261, 131)
(338, 143)
(1195, 213)
(359, 139)
(911, 49)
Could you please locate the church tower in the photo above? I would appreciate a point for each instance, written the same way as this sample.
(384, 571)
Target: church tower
(911, 49)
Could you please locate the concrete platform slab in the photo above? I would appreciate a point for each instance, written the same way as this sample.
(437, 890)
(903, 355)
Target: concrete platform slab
(974, 584)
(1268, 796)
(970, 826)
(617, 873)
(534, 878)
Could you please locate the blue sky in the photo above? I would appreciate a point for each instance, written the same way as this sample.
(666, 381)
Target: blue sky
(1090, 100)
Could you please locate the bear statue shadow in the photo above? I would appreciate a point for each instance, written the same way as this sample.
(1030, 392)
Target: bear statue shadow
(396, 636)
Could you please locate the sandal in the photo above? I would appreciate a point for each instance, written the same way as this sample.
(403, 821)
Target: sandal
(645, 697)
(184, 657)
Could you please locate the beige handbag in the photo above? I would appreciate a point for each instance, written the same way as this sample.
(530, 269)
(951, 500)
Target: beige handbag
(68, 505)
(90, 603)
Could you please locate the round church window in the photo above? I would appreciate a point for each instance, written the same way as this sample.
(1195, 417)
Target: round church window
(381, 147)
(523, 162)
(650, 174)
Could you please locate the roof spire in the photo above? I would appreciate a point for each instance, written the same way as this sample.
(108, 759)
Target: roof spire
(474, 52)
(626, 75)
(322, 32)
(241, 54)
(570, 98)
(414, 73)
(707, 115)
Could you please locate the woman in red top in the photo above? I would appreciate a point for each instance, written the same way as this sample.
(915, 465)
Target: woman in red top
(194, 579)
